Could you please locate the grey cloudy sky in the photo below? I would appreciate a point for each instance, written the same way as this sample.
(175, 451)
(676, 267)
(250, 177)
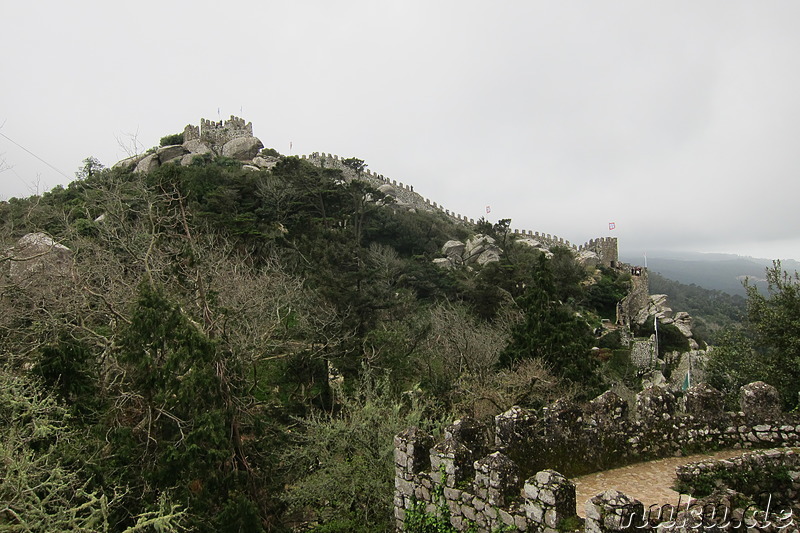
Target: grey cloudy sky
(677, 120)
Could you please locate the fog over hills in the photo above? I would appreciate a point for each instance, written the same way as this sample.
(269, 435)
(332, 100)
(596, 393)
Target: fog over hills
(724, 272)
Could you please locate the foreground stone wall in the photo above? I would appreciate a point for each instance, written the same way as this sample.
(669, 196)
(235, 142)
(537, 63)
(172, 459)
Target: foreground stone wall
(775, 472)
(513, 474)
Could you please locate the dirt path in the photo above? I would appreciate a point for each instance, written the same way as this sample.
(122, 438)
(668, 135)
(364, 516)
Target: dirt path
(647, 482)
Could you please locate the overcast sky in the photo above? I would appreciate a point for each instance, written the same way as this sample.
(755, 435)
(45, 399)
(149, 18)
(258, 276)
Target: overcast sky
(679, 121)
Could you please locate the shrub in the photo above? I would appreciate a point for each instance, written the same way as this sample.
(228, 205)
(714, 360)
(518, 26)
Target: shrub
(169, 140)
(270, 152)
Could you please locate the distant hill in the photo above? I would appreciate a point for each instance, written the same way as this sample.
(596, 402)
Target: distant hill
(721, 272)
(712, 310)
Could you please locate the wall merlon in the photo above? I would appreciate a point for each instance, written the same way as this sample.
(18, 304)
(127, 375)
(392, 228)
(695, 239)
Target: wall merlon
(539, 445)
(607, 253)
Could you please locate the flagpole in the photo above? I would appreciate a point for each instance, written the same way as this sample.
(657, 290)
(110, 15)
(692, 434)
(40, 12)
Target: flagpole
(655, 350)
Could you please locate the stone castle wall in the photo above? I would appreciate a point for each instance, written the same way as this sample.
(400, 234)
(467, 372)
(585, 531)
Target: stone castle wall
(510, 475)
(604, 247)
(211, 136)
(217, 133)
(637, 299)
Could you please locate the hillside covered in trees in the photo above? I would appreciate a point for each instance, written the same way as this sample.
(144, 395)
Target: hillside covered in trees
(211, 348)
(713, 310)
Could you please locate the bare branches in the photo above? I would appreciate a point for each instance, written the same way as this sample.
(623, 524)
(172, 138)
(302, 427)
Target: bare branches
(129, 143)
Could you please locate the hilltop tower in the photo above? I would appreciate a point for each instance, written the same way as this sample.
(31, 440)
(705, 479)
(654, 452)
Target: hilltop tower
(218, 133)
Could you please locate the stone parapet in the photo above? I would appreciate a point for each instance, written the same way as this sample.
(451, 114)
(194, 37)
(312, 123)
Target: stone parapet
(478, 479)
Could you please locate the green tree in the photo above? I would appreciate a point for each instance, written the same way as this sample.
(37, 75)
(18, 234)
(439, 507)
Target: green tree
(768, 347)
(41, 489)
(342, 464)
(91, 166)
(169, 140)
(552, 331)
(355, 164)
(175, 422)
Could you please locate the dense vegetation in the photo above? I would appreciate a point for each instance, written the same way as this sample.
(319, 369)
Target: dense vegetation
(228, 350)
(766, 346)
(713, 311)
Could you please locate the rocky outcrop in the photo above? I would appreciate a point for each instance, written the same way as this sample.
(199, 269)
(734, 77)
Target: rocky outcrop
(242, 148)
(454, 251)
(231, 138)
(479, 250)
(588, 259)
(683, 322)
(36, 255)
(197, 147)
(266, 162)
(760, 401)
(168, 153)
(147, 164)
(656, 306)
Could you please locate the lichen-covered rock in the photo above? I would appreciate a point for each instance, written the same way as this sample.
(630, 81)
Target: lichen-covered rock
(388, 190)
(454, 250)
(490, 255)
(683, 322)
(412, 450)
(656, 306)
(36, 255)
(188, 159)
(656, 404)
(443, 262)
(588, 258)
(196, 146)
(148, 164)
(266, 162)
(513, 426)
(703, 402)
(470, 432)
(475, 246)
(760, 401)
(562, 417)
(454, 459)
(242, 148)
(168, 153)
(607, 410)
(128, 162)
(643, 353)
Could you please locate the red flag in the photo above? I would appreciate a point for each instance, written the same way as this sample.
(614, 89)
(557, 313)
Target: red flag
(611, 225)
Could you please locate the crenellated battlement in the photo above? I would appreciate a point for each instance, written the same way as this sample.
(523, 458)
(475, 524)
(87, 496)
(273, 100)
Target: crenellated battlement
(217, 133)
(604, 247)
(512, 474)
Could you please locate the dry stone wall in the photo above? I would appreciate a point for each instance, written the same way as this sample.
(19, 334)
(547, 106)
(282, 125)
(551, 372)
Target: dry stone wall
(512, 475)
(752, 474)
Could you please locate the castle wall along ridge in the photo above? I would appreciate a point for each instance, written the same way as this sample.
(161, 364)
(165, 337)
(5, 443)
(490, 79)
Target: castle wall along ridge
(604, 247)
(213, 136)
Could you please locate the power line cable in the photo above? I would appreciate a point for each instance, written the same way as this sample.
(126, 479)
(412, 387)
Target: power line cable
(34, 155)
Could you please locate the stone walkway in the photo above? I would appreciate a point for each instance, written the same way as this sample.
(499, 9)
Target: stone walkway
(647, 482)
